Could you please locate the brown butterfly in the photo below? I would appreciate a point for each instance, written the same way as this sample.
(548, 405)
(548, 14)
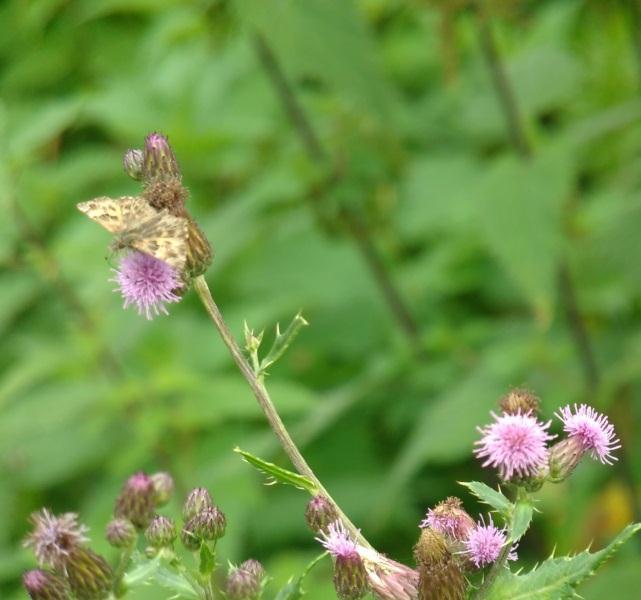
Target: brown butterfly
(137, 225)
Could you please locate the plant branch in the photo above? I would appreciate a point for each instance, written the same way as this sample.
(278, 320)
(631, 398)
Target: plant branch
(359, 233)
(262, 396)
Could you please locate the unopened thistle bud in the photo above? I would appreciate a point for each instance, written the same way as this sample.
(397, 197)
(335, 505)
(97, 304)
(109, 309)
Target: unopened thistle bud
(520, 401)
(564, 457)
(449, 518)
(190, 540)
(245, 582)
(161, 532)
(320, 513)
(89, 574)
(159, 162)
(45, 585)
(163, 488)
(120, 533)
(440, 575)
(350, 576)
(197, 500)
(210, 523)
(136, 500)
(132, 162)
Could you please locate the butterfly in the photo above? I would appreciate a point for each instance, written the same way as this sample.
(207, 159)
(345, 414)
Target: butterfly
(137, 225)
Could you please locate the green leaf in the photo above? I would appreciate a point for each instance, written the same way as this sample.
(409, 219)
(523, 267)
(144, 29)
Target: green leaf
(489, 496)
(278, 474)
(521, 209)
(147, 571)
(282, 341)
(207, 560)
(557, 578)
(521, 519)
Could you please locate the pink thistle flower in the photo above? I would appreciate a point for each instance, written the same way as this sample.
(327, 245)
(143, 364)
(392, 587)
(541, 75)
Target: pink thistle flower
(148, 283)
(515, 444)
(485, 542)
(54, 538)
(335, 539)
(593, 430)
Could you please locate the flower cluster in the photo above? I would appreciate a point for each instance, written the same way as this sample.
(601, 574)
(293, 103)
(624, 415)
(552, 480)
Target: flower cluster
(516, 443)
(68, 568)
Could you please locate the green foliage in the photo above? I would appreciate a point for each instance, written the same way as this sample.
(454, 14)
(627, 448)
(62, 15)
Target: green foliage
(400, 98)
(557, 578)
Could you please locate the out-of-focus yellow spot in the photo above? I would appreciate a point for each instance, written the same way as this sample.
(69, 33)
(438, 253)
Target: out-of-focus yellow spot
(611, 511)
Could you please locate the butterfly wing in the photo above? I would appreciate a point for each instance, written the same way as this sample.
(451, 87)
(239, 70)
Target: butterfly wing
(164, 236)
(117, 215)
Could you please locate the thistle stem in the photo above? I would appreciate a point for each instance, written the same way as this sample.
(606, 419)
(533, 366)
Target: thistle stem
(262, 396)
(488, 582)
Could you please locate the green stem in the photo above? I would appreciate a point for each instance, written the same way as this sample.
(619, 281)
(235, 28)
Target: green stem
(262, 396)
(123, 562)
(497, 567)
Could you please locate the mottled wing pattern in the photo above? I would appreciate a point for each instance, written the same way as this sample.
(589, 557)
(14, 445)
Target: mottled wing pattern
(164, 237)
(138, 225)
(117, 215)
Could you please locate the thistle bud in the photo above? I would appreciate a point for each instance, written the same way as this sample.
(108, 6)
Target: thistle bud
(120, 533)
(245, 581)
(431, 548)
(449, 518)
(161, 532)
(136, 500)
(520, 401)
(199, 253)
(350, 577)
(197, 500)
(190, 540)
(440, 575)
(89, 575)
(210, 524)
(45, 585)
(132, 162)
(320, 513)
(159, 162)
(564, 457)
(163, 488)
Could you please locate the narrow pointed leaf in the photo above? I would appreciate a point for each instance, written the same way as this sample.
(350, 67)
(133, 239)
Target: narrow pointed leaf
(489, 496)
(282, 341)
(521, 519)
(278, 474)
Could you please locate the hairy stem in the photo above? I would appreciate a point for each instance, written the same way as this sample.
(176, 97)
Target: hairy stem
(359, 233)
(262, 396)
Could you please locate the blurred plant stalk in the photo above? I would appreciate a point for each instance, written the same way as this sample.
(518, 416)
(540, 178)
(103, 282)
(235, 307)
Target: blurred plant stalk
(261, 394)
(352, 222)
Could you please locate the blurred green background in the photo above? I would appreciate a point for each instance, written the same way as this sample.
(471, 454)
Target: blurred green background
(453, 198)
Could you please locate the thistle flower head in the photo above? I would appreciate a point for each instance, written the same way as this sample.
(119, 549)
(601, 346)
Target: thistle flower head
(163, 487)
(387, 579)
(245, 581)
(45, 585)
(515, 444)
(53, 538)
(161, 532)
(335, 539)
(592, 429)
(89, 575)
(320, 513)
(136, 500)
(520, 400)
(120, 533)
(147, 283)
(132, 162)
(210, 523)
(198, 499)
(485, 542)
(449, 518)
(159, 162)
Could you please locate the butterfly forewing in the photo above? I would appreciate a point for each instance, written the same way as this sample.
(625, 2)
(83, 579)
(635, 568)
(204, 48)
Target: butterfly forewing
(139, 226)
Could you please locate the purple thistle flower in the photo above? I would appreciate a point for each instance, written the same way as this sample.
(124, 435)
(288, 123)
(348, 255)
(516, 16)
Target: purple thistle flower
(593, 430)
(515, 444)
(485, 542)
(147, 282)
(337, 542)
(54, 538)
